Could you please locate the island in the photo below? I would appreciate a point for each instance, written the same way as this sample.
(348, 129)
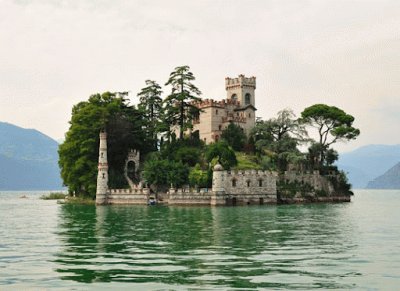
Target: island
(184, 150)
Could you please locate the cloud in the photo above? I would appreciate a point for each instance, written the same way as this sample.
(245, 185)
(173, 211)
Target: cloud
(56, 53)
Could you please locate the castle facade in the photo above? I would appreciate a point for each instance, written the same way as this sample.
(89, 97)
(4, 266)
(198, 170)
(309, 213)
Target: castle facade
(238, 108)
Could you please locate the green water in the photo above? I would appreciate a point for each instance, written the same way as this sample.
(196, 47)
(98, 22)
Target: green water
(45, 245)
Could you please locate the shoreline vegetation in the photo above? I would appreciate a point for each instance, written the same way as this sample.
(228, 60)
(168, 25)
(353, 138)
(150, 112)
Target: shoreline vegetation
(173, 155)
(64, 198)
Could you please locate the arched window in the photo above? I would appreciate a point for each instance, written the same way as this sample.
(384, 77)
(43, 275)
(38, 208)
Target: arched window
(247, 99)
(233, 182)
(248, 183)
(260, 182)
(219, 127)
(234, 97)
(104, 176)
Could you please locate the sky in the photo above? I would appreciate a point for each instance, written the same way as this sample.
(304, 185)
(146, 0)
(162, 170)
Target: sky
(54, 54)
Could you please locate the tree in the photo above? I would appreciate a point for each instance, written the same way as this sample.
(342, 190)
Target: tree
(78, 155)
(275, 129)
(179, 106)
(163, 173)
(223, 152)
(151, 108)
(234, 136)
(332, 124)
(279, 137)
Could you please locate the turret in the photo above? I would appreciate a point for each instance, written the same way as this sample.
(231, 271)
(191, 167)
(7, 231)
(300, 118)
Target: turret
(241, 89)
(102, 174)
(218, 189)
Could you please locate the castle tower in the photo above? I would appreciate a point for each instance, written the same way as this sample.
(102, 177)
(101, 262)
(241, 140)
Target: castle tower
(218, 189)
(241, 89)
(102, 175)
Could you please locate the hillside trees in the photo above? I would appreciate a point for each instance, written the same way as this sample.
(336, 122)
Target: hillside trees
(223, 153)
(78, 155)
(179, 109)
(279, 137)
(234, 136)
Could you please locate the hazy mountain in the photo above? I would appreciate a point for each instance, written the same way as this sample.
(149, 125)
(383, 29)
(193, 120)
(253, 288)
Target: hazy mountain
(368, 162)
(28, 159)
(389, 180)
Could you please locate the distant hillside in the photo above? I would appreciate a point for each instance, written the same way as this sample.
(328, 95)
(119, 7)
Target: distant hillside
(28, 159)
(389, 180)
(368, 162)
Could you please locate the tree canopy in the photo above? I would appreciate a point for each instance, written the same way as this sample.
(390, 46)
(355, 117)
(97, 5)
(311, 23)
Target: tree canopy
(78, 155)
(234, 136)
(223, 152)
(151, 108)
(333, 125)
(179, 107)
(279, 137)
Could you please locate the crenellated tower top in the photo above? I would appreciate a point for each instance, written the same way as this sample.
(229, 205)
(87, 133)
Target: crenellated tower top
(240, 81)
(241, 89)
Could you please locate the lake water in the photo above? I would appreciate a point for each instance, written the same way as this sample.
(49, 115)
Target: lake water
(45, 245)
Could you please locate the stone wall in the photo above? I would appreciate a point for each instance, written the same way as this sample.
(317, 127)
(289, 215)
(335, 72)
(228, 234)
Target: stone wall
(128, 196)
(250, 182)
(189, 197)
(314, 179)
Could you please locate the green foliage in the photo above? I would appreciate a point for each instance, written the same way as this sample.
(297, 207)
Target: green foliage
(53, 196)
(225, 155)
(234, 136)
(188, 155)
(150, 107)
(332, 124)
(199, 177)
(288, 189)
(78, 154)
(179, 107)
(162, 172)
(340, 183)
(279, 137)
(247, 162)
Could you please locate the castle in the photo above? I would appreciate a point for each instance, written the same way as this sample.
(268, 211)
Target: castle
(228, 187)
(238, 108)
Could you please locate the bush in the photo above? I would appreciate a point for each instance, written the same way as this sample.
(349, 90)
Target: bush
(53, 196)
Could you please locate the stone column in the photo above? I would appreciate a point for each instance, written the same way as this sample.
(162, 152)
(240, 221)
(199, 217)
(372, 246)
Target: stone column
(102, 174)
(218, 188)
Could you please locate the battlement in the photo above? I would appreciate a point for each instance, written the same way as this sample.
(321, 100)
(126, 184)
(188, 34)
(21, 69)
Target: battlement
(240, 81)
(250, 173)
(214, 103)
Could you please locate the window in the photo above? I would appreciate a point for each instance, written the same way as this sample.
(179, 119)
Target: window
(102, 155)
(219, 127)
(260, 183)
(247, 99)
(234, 97)
(233, 183)
(104, 176)
(249, 114)
(216, 112)
(248, 183)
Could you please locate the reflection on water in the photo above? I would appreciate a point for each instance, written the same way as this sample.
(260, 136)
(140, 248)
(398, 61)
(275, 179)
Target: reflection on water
(293, 246)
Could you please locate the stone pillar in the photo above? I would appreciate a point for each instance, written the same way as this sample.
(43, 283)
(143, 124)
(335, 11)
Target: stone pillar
(218, 188)
(102, 174)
